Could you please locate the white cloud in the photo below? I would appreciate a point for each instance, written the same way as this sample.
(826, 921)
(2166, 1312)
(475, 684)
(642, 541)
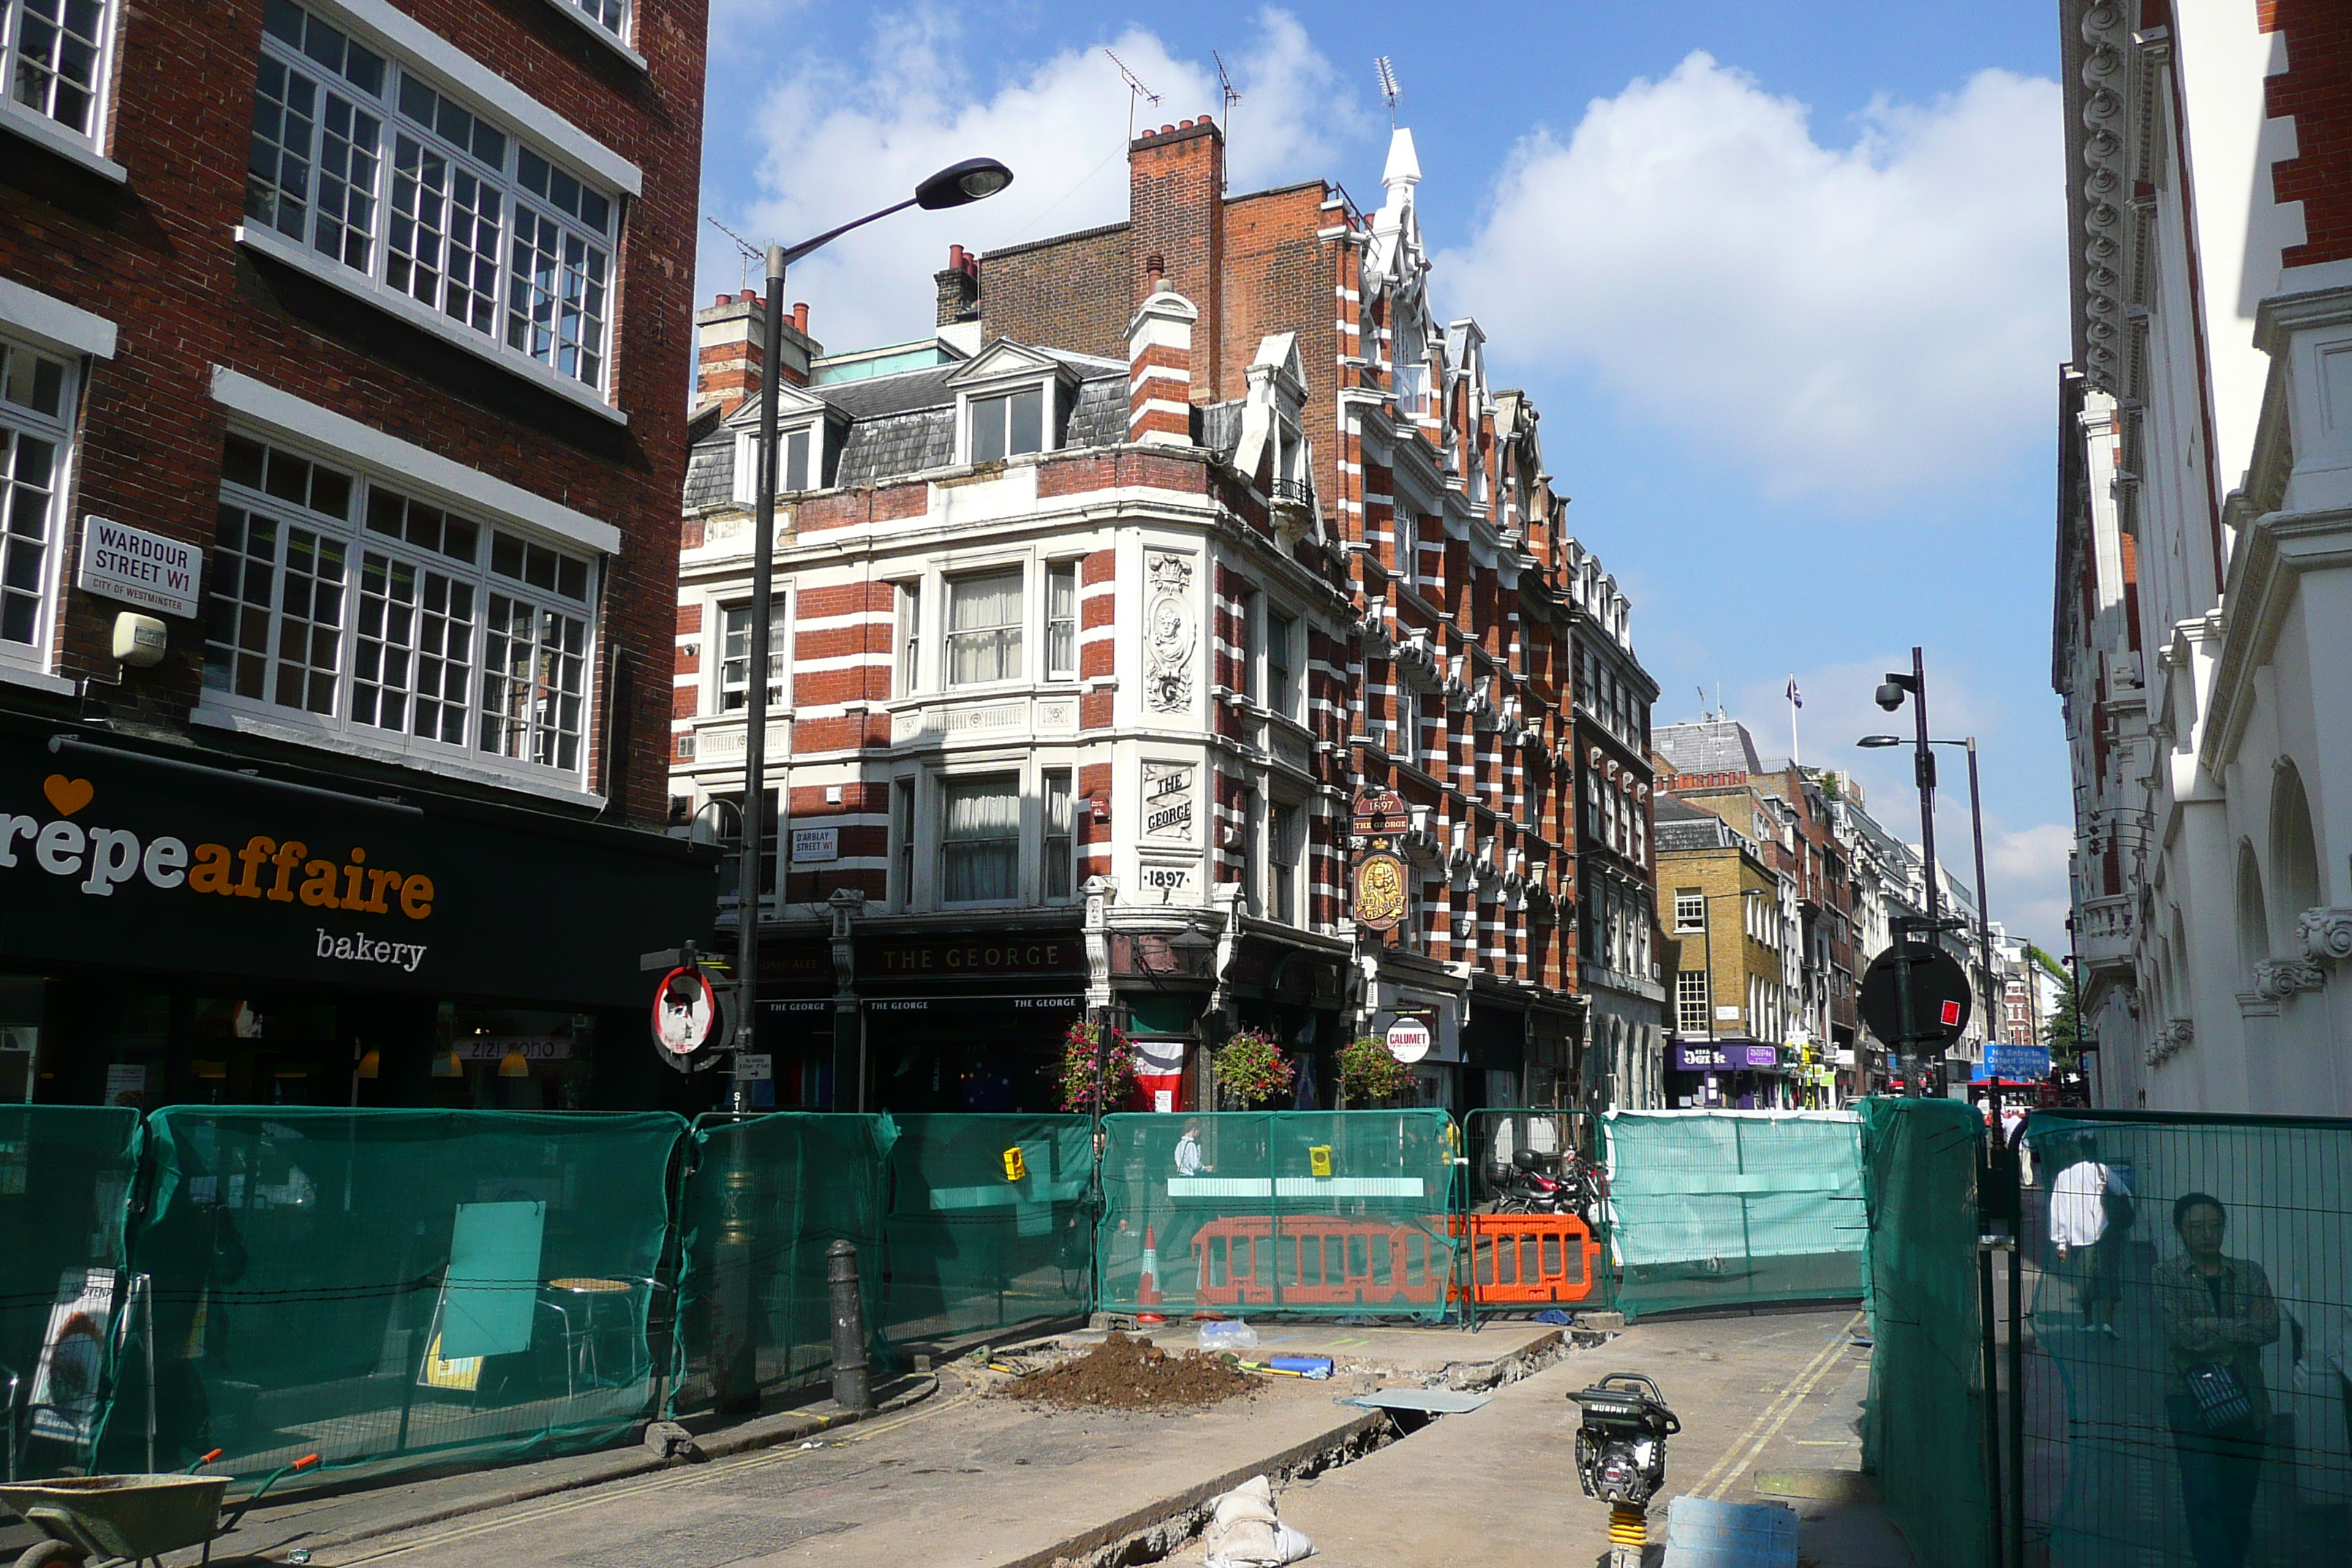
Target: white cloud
(837, 140)
(1851, 324)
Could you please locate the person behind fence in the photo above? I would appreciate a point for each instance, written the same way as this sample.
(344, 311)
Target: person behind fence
(2090, 1208)
(1189, 1160)
(2218, 1314)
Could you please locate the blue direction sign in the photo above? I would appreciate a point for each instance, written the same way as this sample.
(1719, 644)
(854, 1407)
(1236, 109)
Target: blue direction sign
(2017, 1061)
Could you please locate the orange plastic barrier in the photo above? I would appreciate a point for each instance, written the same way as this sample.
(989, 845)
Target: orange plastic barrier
(1314, 1260)
(1530, 1258)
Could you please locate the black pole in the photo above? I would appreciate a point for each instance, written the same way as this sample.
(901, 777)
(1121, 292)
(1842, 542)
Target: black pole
(755, 696)
(1924, 767)
(1991, 1387)
(1993, 1010)
(851, 1388)
(2017, 1388)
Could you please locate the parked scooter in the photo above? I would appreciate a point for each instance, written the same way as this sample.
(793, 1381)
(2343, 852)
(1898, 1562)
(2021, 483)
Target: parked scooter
(1546, 1184)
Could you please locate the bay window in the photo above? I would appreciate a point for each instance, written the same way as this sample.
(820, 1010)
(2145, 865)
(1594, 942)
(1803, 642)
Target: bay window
(911, 637)
(984, 628)
(1286, 840)
(735, 656)
(335, 597)
(37, 408)
(981, 839)
(1061, 834)
(1281, 665)
(1062, 621)
(374, 168)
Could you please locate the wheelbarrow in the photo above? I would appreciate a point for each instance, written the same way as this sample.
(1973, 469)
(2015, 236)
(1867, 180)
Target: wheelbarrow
(97, 1521)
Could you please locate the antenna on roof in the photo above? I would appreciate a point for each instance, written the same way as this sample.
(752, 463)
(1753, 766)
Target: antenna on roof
(1390, 91)
(1232, 97)
(1135, 90)
(750, 252)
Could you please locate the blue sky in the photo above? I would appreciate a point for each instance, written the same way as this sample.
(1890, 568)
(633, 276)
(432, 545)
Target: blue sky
(1786, 281)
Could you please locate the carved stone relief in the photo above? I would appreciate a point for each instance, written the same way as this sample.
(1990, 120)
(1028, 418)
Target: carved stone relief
(2326, 936)
(1171, 633)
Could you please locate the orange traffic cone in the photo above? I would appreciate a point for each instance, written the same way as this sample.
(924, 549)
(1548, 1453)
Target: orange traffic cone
(1147, 1286)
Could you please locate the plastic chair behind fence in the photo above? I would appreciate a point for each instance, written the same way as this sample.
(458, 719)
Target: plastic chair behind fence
(395, 1288)
(1311, 1212)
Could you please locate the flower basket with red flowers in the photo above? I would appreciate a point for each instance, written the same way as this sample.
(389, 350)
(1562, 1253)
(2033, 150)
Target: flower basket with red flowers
(1096, 1079)
(1250, 1068)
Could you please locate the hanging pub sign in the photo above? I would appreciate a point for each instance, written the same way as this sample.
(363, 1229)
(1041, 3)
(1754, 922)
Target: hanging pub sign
(1379, 890)
(1381, 813)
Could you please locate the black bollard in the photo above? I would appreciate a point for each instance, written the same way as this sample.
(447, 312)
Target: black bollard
(852, 1389)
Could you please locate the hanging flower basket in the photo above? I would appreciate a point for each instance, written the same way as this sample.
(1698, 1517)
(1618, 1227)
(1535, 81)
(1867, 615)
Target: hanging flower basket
(1096, 1079)
(1369, 1072)
(1250, 1068)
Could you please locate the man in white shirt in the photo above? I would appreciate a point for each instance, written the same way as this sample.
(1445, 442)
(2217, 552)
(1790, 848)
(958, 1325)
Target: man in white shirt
(1188, 1161)
(2089, 1253)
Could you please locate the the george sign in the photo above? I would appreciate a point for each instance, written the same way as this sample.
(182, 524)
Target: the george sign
(1167, 802)
(203, 871)
(1409, 1040)
(1380, 890)
(1380, 811)
(815, 846)
(1940, 998)
(119, 561)
(1000, 956)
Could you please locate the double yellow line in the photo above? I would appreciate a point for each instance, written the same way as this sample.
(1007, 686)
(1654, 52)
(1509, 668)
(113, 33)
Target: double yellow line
(669, 1480)
(1749, 1445)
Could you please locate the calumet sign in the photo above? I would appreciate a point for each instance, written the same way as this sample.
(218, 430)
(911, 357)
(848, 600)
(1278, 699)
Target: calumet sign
(108, 858)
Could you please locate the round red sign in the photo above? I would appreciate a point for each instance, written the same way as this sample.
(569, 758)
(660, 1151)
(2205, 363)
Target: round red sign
(685, 1013)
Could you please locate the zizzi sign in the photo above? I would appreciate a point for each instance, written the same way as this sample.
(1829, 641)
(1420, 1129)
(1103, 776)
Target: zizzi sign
(106, 857)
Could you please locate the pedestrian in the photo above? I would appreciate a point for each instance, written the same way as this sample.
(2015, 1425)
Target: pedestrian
(2218, 1314)
(1189, 1160)
(2090, 1207)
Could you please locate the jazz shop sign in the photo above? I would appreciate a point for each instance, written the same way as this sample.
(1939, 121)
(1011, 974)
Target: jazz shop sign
(114, 859)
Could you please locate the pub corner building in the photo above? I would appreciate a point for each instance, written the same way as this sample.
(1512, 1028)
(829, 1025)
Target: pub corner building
(335, 577)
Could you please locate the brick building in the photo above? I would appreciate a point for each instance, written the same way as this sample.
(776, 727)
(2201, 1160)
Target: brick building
(340, 431)
(1728, 925)
(2203, 597)
(1135, 573)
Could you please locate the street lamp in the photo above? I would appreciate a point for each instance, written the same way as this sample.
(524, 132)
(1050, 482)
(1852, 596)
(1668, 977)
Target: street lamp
(1975, 824)
(958, 185)
(1890, 696)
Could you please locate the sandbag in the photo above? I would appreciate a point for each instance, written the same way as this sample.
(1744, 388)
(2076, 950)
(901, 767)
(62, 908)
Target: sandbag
(1244, 1533)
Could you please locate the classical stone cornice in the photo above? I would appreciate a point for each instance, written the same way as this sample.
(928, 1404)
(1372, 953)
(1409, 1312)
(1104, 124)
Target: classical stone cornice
(2280, 978)
(2273, 555)
(2326, 934)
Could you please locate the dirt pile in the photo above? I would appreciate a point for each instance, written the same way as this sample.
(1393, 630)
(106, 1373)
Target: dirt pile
(1123, 1374)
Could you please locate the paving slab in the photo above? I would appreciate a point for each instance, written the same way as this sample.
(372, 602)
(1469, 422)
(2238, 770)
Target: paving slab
(1436, 1355)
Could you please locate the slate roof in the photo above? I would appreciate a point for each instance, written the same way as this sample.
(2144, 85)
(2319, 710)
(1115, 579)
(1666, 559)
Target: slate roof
(1707, 746)
(904, 424)
(1687, 827)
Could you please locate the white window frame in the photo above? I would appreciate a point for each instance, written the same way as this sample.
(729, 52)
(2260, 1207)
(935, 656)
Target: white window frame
(61, 431)
(969, 398)
(1683, 901)
(904, 831)
(87, 148)
(812, 425)
(1067, 834)
(1408, 720)
(1057, 571)
(780, 658)
(1283, 697)
(620, 42)
(1284, 879)
(1688, 995)
(228, 709)
(1017, 626)
(907, 663)
(946, 780)
(454, 79)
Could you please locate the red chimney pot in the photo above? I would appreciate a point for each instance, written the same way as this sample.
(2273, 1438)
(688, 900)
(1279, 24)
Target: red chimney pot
(800, 316)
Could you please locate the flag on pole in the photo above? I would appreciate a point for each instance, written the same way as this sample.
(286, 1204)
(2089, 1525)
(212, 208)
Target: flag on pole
(1796, 699)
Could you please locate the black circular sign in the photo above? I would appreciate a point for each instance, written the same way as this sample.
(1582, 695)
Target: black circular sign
(1941, 1000)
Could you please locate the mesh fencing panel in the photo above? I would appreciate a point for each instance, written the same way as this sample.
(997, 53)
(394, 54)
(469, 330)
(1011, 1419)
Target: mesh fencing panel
(972, 1245)
(392, 1289)
(64, 1171)
(1922, 1430)
(1720, 1208)
(2189, 1391)
(763, 1199)
(1335, 1213)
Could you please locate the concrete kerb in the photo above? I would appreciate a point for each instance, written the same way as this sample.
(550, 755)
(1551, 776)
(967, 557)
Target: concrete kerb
(760, 1432)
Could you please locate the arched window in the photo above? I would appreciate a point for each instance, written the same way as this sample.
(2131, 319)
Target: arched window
(2295, 856)
(2254, 921)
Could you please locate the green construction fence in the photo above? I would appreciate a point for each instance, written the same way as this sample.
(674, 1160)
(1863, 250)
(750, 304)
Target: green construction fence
(1327, 1212)
(1714, 1209)
(391, 1288)
(65, 1175)
(988, 1225)
(1923, 1427)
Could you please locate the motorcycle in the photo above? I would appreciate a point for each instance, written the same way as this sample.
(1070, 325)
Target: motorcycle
(1546, 1184)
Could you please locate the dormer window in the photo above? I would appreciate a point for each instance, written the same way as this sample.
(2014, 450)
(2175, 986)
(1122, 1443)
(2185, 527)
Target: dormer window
(800, 459)
(1008, 423)
(794, 450)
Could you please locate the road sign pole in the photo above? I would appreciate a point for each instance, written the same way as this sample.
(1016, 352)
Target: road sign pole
(1904, 1034)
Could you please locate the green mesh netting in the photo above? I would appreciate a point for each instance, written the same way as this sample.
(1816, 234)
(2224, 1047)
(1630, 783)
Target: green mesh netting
(1305, 1212)
(970, 1246)
(389, 1288)
(2124, 1464)
(762, 1202)
(64, 1171)
(1718, 1207)
(1923, 1427)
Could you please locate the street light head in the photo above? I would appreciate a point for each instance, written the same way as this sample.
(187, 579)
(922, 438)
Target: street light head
(1878, 743)
(959, 184)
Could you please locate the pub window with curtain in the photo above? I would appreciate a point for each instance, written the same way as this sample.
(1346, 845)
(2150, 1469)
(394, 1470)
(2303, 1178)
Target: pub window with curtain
(984, 628)
(979, 842)
(1061, 834)
(1062, 621)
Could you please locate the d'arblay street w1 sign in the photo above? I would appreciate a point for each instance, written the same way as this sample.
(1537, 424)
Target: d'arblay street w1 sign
(108, 858)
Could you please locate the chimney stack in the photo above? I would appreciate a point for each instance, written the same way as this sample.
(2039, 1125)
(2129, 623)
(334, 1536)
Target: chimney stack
(729, 336)
(1176, 185)
(1160, 369)
(959, 285)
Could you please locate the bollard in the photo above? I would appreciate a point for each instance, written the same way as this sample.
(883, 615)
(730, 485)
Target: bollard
(852, 1389)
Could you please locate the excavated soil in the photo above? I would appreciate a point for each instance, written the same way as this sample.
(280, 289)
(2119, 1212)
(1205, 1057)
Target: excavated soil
(1123, 1374)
